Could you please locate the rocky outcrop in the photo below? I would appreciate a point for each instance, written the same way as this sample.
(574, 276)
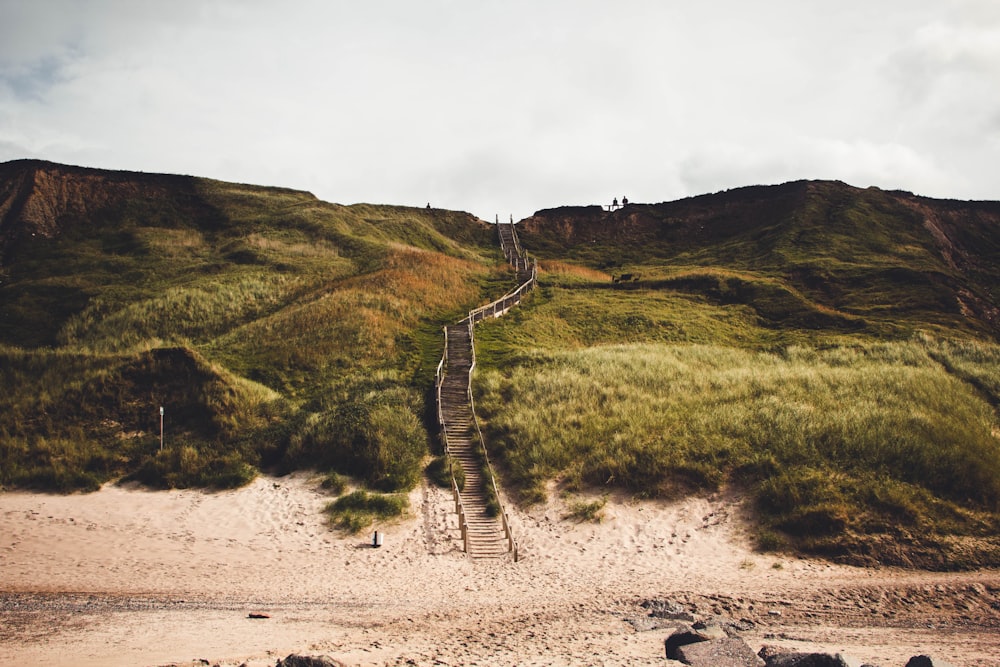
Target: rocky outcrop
(712, 643)
(926, 661)
(777, 657)
(774, 657)
(308, 661)
(716, 640)
(727, 652)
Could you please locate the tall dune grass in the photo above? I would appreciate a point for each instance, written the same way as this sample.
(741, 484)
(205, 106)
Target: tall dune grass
(665, 419)
(259, 317)
(199, 312)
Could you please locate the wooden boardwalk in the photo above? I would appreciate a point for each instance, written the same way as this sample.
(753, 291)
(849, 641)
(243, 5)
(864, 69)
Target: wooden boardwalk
(515, 254)
(485, 534)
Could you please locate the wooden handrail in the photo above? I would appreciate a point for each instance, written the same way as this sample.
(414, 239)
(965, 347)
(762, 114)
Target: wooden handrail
(515, 256)
(521, 262)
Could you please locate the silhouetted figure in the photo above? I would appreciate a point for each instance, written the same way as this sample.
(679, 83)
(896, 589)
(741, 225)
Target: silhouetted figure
(614, 203)
(428, 204)
(624, 201)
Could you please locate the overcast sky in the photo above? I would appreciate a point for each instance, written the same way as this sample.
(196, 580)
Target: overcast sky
(506, 107)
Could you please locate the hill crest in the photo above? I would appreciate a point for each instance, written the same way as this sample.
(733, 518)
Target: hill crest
(40, 198)
(816, 235)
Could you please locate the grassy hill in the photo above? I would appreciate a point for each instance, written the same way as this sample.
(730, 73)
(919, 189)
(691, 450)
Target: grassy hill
(275, 329)
(829, 350)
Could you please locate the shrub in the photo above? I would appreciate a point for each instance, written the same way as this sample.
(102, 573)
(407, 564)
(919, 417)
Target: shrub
(190, 466)
(376, 437)
(333, 483)
(769, 540)
(582, 510)
(360, 509)
(441, 470)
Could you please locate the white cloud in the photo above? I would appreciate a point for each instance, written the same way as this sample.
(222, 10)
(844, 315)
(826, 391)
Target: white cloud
(860, 163)
(509, 106)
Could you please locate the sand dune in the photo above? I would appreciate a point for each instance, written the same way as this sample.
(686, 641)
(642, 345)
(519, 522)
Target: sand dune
(126, 576)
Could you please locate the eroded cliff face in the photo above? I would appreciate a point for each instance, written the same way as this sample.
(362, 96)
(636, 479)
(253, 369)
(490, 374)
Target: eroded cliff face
(967, 235)
(41, 199)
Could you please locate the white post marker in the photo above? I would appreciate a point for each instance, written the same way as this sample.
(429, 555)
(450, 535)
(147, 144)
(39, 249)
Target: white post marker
(161, 428)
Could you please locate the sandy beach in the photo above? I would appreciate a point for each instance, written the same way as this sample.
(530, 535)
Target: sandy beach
(127, 576)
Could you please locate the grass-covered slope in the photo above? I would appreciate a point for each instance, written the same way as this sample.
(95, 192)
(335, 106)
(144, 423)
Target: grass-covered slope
(830, 350)
(275, 329)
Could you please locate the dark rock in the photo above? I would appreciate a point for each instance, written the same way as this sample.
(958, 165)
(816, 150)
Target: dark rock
(728, 652)
(776, 657)
(257, 615)
(926, 661)
(308, 661)
(648, 623)
(768, 652)
(690, 635)
(667, 609)
(729, 626)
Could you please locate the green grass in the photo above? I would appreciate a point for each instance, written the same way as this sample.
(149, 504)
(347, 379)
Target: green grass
(855, 254)
(855, 439)
(633, 413)
(584, 511)
(333, 483)
(814, 345)
(91, 418)
(277, 331)
(442, 469)
(360, 509)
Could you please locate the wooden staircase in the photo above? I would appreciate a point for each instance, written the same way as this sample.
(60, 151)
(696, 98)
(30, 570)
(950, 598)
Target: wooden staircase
(515, 254)
(486, 536)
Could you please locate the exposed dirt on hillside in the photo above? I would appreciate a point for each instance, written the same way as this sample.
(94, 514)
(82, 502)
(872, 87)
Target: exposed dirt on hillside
(947, 223)
(42, 199)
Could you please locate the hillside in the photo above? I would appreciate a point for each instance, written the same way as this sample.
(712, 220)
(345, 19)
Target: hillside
(275, 329)
(828, 351)
(886, 258)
